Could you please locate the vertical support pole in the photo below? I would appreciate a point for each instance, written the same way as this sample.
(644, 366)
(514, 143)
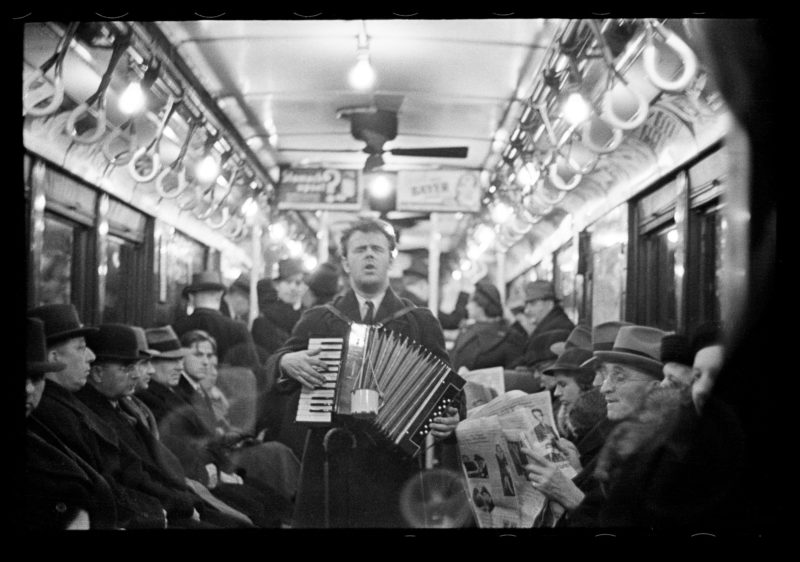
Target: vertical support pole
(255, 272)
(500, 274)
(323, 237)
(433, 303)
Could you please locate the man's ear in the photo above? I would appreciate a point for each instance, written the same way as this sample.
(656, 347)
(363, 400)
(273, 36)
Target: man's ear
(52, 355)
(345, 265)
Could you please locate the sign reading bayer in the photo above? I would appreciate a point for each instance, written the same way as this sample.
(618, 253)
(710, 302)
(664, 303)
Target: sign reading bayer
(443, 191)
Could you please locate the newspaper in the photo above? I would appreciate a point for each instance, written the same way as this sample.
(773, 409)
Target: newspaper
(483, 385)
(490, 442)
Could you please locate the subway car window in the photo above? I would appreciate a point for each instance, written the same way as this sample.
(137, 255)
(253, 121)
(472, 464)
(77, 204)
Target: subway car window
(608, 266)
(55, 268)
(179, 257)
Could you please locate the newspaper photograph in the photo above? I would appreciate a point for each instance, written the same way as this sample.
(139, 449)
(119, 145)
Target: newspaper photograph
(496, 489)
(490, 441)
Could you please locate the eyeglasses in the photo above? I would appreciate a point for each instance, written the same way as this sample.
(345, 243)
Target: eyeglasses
(617, 375)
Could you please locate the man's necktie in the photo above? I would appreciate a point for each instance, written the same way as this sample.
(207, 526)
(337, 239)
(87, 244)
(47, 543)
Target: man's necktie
(370, 311)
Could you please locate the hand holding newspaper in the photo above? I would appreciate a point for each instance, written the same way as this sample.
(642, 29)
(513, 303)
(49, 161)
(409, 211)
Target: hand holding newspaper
(490, 441)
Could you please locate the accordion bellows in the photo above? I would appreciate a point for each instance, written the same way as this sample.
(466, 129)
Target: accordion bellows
(413, 384)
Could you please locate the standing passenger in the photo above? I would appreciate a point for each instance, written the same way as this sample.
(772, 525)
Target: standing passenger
(364, 484)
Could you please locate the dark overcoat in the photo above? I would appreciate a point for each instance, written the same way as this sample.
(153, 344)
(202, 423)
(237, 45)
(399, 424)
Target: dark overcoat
(95, 442)
(170, 489)
(58, 483)
(366, 481)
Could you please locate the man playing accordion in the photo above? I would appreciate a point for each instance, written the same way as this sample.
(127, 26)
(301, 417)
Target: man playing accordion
(364, 475)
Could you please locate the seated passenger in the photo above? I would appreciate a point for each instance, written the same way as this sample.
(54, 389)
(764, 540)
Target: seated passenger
(61, 490)
(484, 341)
(677, 358)
(633, 368)
(61, 413)
(271, 463)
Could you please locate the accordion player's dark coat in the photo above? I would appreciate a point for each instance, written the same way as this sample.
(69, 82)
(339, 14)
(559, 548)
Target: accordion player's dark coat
(366, 481)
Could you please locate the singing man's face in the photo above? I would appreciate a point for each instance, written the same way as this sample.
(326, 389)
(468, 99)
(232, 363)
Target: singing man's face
(368, 261)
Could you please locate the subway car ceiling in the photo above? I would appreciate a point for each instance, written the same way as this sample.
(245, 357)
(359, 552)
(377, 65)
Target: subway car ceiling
(466, 123)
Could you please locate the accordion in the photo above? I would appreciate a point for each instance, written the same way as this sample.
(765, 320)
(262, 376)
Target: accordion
(414, 385)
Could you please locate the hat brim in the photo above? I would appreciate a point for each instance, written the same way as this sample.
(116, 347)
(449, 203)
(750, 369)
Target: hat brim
(172, 354)
(205, 287)
(69, 334)
(118, 357)
(149, 353)
(568, 370)
(44, 367)
(558, 347)
(649, 366)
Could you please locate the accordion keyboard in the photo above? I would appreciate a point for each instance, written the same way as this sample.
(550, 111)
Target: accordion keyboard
(316, 405)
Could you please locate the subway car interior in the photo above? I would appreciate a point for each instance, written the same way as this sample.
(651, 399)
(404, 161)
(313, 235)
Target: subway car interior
(592, 153)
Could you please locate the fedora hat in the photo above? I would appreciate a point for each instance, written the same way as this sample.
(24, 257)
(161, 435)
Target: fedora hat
(141, 342)
(36, 350)
(205, 281)
(115, 342)
(603, 336)
(675, 348)
(580, 337)
(638, 347)
(164, 340)
(570, 362)
(535, 290)
(288, 268)
(61, 322)
(241, 284)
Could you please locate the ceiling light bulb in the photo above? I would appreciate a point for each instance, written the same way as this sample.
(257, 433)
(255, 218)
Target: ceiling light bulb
(309, 262)
(362, 75)
(207, 169)
(576, 110)
(277, 231)
(528, 174)
(502, 212)
(132, 99)
(380, 187)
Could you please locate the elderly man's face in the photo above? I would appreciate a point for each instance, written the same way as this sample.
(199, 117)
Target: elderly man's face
(624, 389)
(168, 371)
(114, 380)
(77, 356)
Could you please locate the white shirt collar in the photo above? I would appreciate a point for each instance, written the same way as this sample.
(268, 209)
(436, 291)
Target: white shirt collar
(195, 385)
(376, 301)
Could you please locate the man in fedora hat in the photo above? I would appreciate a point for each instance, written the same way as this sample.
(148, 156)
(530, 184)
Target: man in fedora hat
(188, 436)
(543, 308)
(236, 301)
(633, 368)
(676, 355)
(63, 414)
(280, 304)
(112, 378)
(61, 490)
(232, 337)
